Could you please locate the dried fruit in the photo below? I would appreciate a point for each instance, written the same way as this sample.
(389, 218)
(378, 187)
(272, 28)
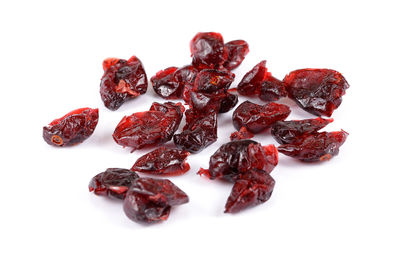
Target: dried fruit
(228, 102)
(151, 127)
(150, 200)
(114, 182)
(165, 84)
(251, 83)
(163, 161)
(122, 81)
(242, 134)
(318, 91)
(288, 131)
(186, 76)
(272, 89)
(207, 50)
(71, 129)
(257, 117)
(237, 51)
(315, 146)
(210, 81)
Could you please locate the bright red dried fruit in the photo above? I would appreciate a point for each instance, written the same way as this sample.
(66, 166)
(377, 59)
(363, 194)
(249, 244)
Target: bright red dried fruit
(318, 91)
(257, 118)
(315, 147)
(272, 89)
(250, 85)
(237, 51)
(288, 131)
(71, 129)
(114, 182)
(151, 127)
(165, 85)
(122, 80)
(150, 200)
(163, 161)
(242, 134)
(208, 50)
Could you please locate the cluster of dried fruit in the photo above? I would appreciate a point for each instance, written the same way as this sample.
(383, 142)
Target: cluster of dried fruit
(204, 86)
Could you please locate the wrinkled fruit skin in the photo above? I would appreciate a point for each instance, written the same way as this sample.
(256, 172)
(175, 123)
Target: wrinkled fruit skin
(207, 50)
(122, 81)
(165, 85)
(237, 51)
(71, 129)
(186, 76)
(151, 127)
(289, 131)
(235, 158)
(114, 182)
(257, 118)
(318, 91)
(242, 134)
(228, 102)
(163, 161)
(209, 81)
(315, 147)
(150, 200)
(272, 89)
(250, 85)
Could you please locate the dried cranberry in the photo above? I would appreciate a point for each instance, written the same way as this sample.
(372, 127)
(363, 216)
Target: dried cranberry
(73, 128)
(163, 161)
(315, 146)
(165, 84)
(235, 158)
(242, 134)
(149, 200)
(318, 91)
(272, 89)
(237, 51)
(209, 81)
(186, 76)
(122, 81)
(208, 50)
(149, 128)
(288, 131)
(250, 85)
(257, 117)
(206, 102)
(228, 102)
(114, 182)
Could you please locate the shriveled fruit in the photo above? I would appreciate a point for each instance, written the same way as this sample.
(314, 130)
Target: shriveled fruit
(242, 134)
(186, 76)
(163, 161)
(288, 131)
(73, 128)
(257, 117)
(272, 89)
(122, 80)
(250, 85)
(208, 50)
(114, 182)
(151, 127)
(237, 51)
(318, 91)
(210, 80)
(315, 147)
(165, 84)
(150, 200)
(228, 102)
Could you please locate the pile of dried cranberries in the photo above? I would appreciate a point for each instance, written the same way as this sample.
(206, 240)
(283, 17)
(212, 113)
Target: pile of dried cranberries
(204, 87)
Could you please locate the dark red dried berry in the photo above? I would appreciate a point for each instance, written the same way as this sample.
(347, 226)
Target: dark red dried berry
(272, 89)
(250, 85)
(114, 182)
(228, 102)
(186, 76)
(237, 51)
(257, 118)
(318, 91)
(151, 127)
(122, 81)
(242, 134)
(71, 129)
(288, 131)
(165, 85)
(150, 200)
(163, 161)
(208, 50)
(210, 81)
(315, 147)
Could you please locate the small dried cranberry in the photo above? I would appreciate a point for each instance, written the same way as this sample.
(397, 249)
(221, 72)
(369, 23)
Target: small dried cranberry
(150, 200)
(315, 147)
(242, 134)
(208, 50)
(165, 85)
(288, 131)
(250, 85)
(114, 182)
(237, 51)
(73, 128)
(163, 161)
(272, 89)
(257, 117)
(122, 81)
(318, 91)
(228, 102)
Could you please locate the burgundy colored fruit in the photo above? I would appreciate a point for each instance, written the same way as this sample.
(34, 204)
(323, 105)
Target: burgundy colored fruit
(272, 89)
(210, 81)
(71, 129)
(165, 85)
(237, 51)
(186, 76)
(208, 50)
(228, 102)
(242, 134)
(250, 85)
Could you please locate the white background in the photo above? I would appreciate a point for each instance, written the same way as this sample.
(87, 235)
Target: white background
(51, 56)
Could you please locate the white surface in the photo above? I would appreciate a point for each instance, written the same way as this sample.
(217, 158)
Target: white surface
(51, 55)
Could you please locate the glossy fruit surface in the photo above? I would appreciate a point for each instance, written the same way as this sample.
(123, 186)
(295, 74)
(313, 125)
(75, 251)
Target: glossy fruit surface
(237, 51)
(250, 84)
(165, 85)
(272, 89)
(208, 50)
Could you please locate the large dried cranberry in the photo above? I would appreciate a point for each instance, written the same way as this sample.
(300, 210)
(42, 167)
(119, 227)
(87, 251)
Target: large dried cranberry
(208, 50)
(250, 85)
(114, 182)
(257, 117)
(151, 127)
(272, 89)
(315, 146)
(165, 84)
(288, 131)
(150, 200)
(122, 81)
(163, 161)
(318, 91)
(237, 51)
(73, 128)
